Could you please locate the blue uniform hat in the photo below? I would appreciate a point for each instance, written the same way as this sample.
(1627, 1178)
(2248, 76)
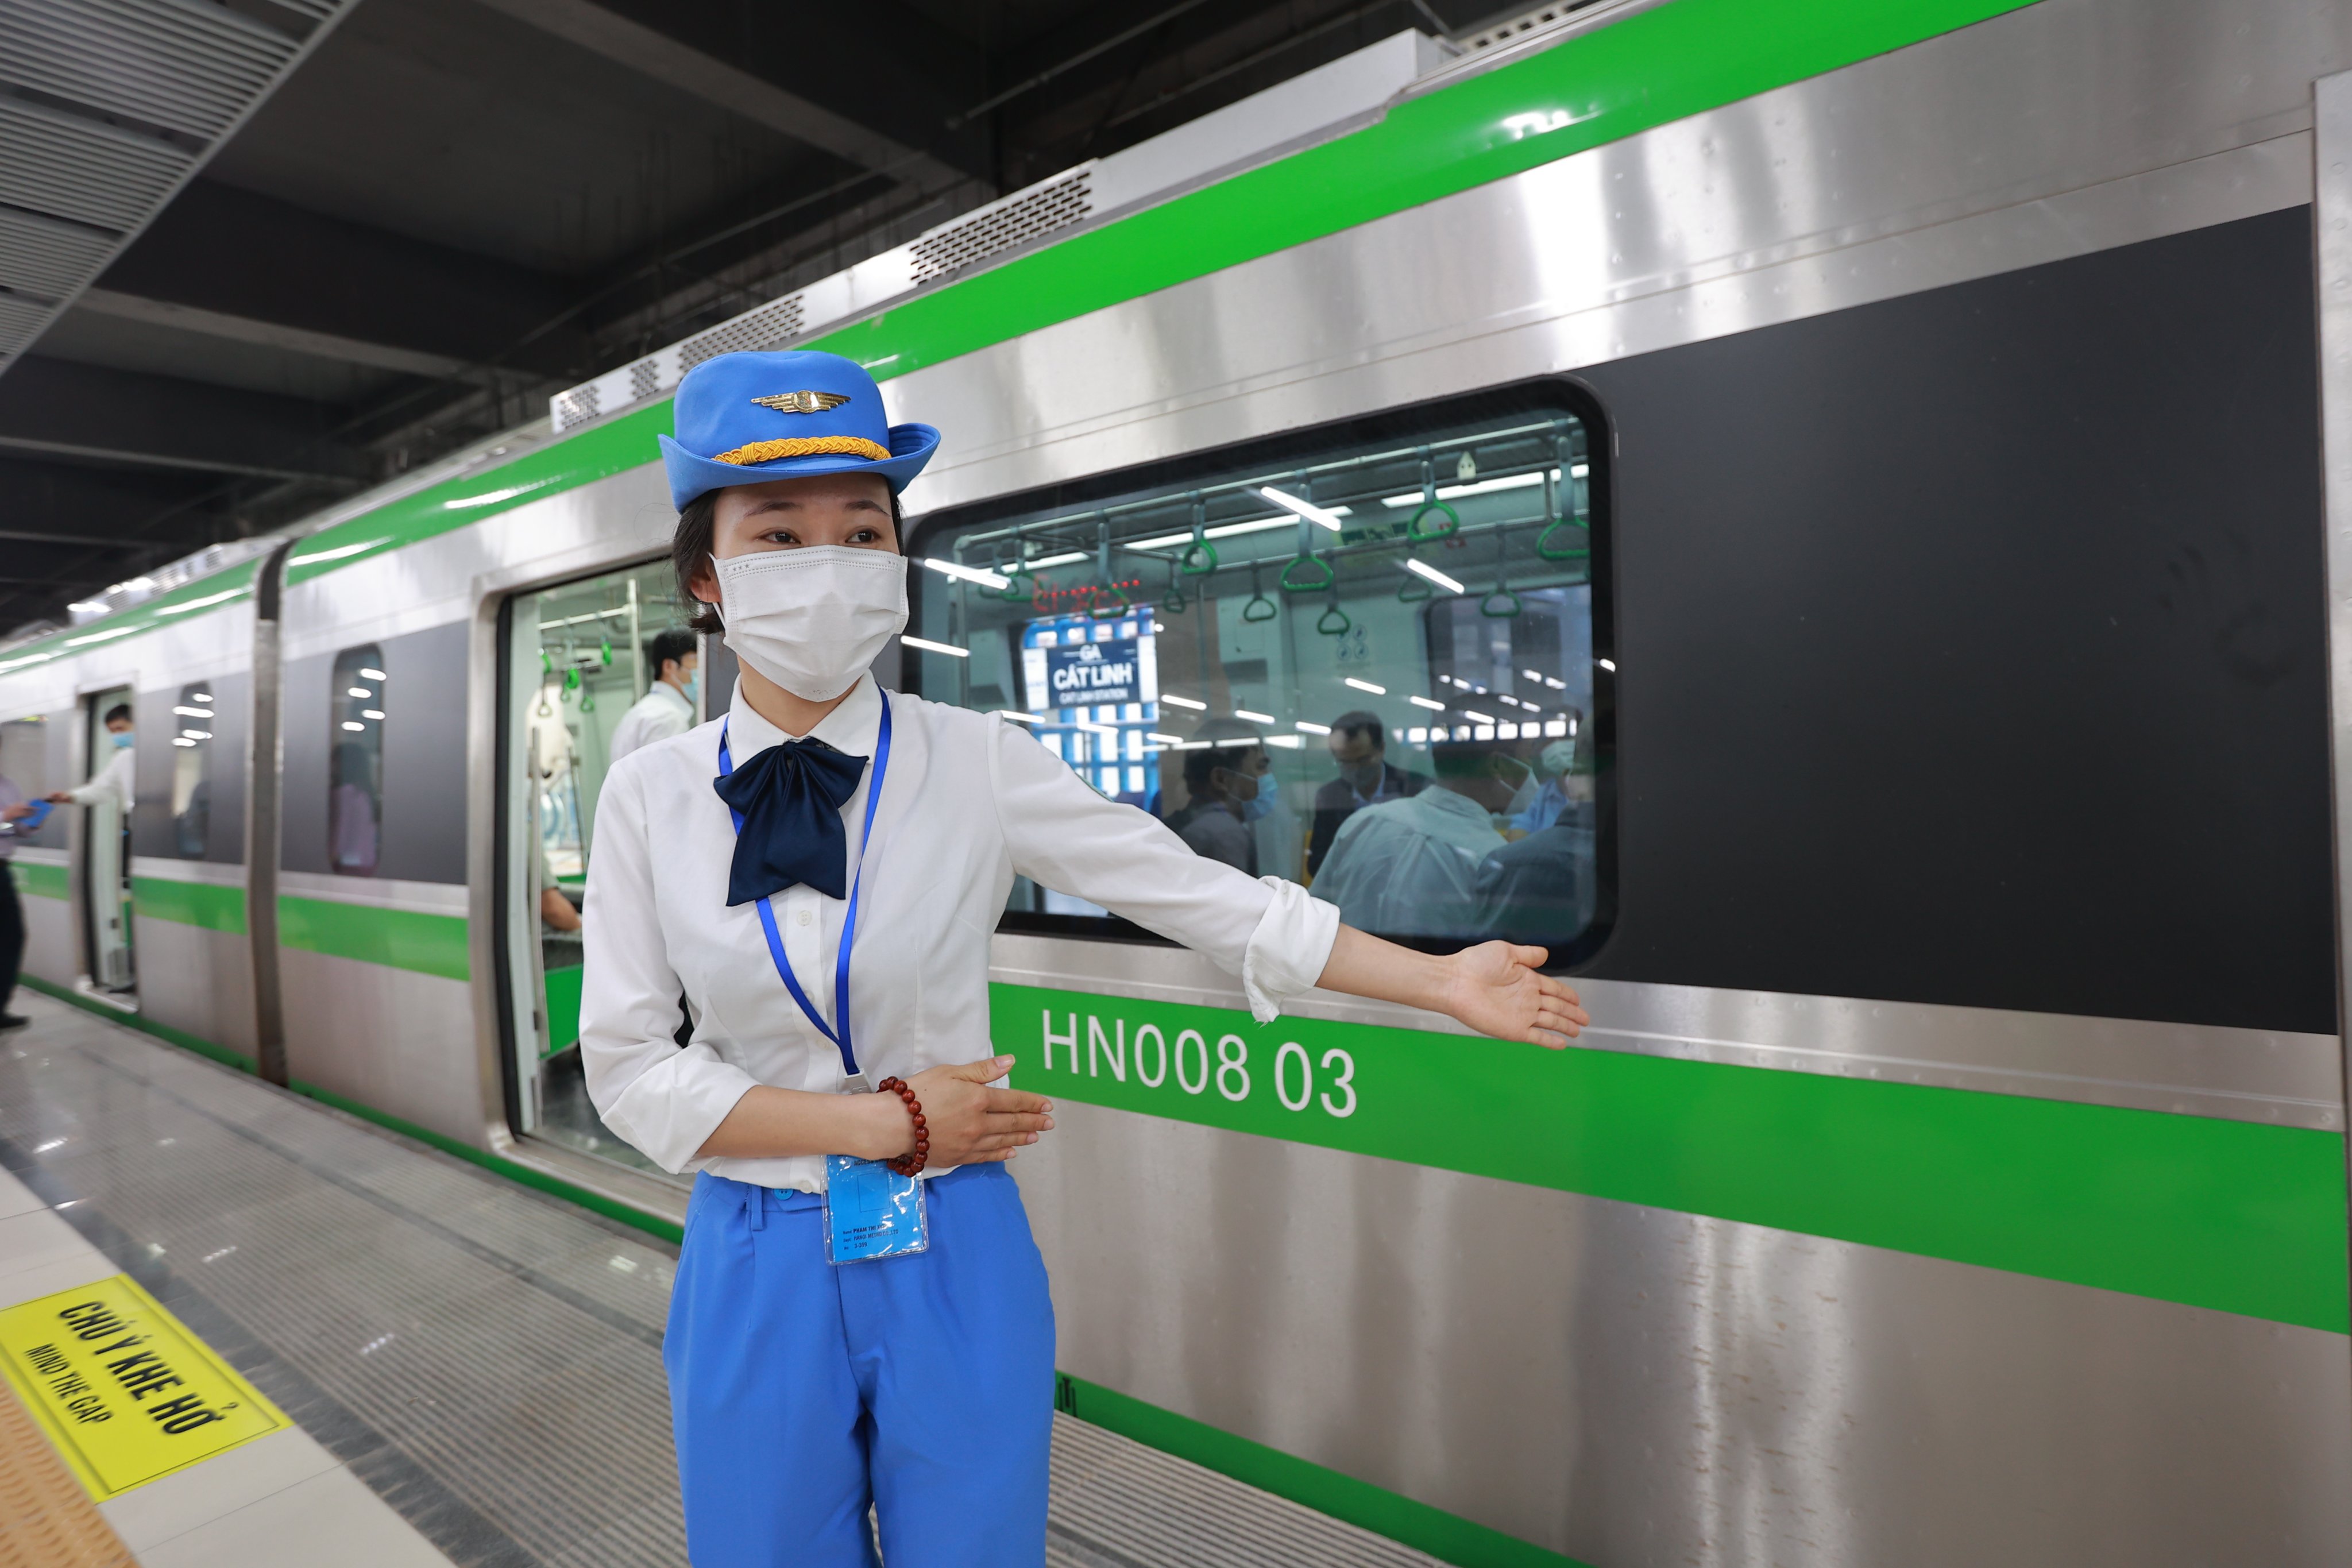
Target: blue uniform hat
(746, 418)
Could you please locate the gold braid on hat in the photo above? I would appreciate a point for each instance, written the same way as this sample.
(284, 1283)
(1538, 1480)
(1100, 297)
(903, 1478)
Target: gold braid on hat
(805, 447)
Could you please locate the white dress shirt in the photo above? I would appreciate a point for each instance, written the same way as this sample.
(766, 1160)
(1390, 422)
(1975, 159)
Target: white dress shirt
(1409, 867)
(112, 782)
(970, 802)
(657, 715)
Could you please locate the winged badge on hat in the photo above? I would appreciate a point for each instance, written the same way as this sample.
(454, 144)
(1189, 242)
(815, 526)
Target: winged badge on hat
(735, 427)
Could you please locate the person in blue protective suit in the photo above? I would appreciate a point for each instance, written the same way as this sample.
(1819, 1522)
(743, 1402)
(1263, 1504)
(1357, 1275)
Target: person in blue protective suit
(802, 891)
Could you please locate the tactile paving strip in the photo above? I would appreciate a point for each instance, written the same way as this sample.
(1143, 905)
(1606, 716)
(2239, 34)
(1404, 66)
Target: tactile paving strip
(47, 1520)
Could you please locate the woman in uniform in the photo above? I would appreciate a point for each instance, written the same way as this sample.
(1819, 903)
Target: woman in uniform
(803, 892)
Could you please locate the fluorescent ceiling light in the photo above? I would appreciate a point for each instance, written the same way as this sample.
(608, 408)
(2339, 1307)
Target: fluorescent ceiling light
(1366, 686)
(1475, 488)
(186, 712)
(1045, 561)
(1532, 675)
(1222, 531)
(968, 574)
(1291, 741)
(1308, 727)
(927, 646)
(1429, 703)
(1163, 739)
(1420, 568)
(373, 675)
(354, 724)
(1321, 516)
(1184, 701)
(1481, 717)
(1253, 718)
(1608, 664)
(360, 691)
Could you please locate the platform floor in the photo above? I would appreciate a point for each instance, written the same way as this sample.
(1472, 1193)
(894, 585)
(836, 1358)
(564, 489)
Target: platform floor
(475, 1369)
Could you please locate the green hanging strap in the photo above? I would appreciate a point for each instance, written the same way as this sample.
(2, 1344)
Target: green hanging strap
(1430, 503)
(606, 650)
(1318, 576)
(1559, 513)
(1258, 601)
(1501, 594)
(1333, 622)
(571, 678)
(1199, 557)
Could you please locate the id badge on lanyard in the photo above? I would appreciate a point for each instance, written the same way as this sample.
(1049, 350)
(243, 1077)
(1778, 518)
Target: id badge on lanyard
(871, 1211)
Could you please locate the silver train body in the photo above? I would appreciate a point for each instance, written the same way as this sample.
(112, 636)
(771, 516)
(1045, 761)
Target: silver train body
(1602, 1378)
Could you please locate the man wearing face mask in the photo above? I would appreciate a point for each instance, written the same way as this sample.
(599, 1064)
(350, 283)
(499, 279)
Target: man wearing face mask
(1231, 792)
(1358, 743)
(802, 889)
(113, 781)
(667, 707)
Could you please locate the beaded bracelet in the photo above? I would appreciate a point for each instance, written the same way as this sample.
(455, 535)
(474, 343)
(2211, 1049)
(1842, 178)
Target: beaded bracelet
(909, 1164)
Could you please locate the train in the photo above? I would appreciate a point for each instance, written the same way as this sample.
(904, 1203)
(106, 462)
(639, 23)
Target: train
(1854, 480)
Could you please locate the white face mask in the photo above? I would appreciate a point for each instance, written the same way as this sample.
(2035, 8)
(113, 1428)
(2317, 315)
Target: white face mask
(811, 619)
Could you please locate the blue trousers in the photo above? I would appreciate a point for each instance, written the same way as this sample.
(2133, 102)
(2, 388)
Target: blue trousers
(802, 1392)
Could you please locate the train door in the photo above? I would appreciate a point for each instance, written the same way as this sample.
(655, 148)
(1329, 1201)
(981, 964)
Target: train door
(584, 662)
(106, 842)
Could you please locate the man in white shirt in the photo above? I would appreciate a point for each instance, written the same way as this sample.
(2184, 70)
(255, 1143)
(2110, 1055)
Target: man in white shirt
(1409, 867)
(113, 781)
(669, 708)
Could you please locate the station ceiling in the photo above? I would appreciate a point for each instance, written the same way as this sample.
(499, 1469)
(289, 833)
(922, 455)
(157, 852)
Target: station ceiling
(446, 210)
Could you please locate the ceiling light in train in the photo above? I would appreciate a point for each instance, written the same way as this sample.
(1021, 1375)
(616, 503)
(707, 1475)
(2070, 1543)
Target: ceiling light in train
(1481, 717)
(186, 712)
(1184, 701)
(200, 697)
(355, 726)
(927, 646)
(1365, 686)
(1307, 509)
(1063, 560)
(1308, 727)
(1532, 674)
(1293, 741)
(1432, 703)
(1163, 739)
(1222, 531)
(968, 574)
(1475, 488)
(1253, 718)
(1608, 664)
(1420, 568)
(361, 692)
(372, 675)
(372, 713)
(196, 735)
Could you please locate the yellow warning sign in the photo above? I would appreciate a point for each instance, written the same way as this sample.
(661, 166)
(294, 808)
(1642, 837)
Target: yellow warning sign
(124, 1391)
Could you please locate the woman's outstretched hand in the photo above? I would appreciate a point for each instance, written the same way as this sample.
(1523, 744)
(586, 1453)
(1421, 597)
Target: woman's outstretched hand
(1496, 989)
(1493, 987)
(970, 1124)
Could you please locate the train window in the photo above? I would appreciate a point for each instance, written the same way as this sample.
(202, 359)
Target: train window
(355, 799)
(192, 751)
(1363, 660)
(595, 668)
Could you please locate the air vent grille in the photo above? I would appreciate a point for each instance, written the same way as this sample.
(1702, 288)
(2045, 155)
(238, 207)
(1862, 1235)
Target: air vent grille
(1013, 222)
(1511, 28)
(576, 406)
(764, 328)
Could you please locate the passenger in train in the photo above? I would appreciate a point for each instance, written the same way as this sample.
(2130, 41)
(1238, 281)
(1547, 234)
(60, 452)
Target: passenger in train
(1546, 882)
(1360, 745)
(1230, 793)
(1409, 865)
(739, 868)
(351, 820)
(113, 781)
(1555, 764)
(667, 707)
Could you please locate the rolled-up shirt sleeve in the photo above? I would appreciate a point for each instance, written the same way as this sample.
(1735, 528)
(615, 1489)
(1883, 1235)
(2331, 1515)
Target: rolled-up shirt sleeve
(1061, 834)
(665, 1099)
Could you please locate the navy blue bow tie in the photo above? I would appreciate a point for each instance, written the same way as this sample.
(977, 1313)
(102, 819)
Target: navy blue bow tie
(789, 797)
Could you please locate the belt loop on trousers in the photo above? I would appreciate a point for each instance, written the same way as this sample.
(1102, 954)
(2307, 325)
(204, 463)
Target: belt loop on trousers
(759, 1199)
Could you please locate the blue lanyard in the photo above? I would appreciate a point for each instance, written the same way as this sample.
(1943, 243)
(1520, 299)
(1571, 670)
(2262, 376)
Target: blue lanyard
(849, 922)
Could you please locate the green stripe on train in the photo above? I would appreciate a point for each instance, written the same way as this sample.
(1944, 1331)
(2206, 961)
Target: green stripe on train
(1447, 1537)
(400, 939)
(1631, 76)
(206, 904)
(2211, 1213)
(43, 881)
